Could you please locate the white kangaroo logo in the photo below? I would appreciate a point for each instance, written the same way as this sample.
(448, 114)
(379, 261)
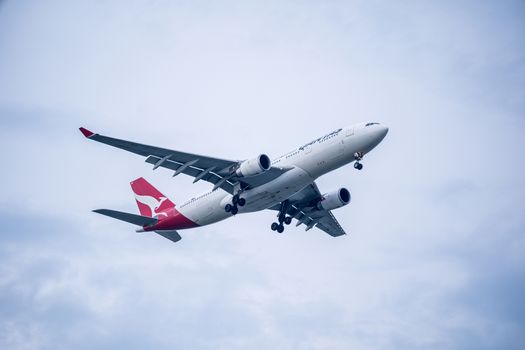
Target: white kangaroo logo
(152, 203)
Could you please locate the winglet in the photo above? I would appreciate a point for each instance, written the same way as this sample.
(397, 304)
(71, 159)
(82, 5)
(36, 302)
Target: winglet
(86, 132)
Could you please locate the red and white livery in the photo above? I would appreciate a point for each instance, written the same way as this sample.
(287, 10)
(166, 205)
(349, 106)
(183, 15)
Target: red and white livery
(285, 184)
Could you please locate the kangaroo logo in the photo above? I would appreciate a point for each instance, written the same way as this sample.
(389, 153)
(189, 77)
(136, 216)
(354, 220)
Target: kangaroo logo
(152, 203)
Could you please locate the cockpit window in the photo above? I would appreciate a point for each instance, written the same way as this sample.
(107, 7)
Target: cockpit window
(368, 124)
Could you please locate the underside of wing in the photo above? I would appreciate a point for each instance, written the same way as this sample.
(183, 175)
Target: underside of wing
(329, 224)
(220, 179)
(222, 173)
(303, 207)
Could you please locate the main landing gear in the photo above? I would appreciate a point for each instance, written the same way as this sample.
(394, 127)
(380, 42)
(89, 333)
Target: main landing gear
(283, 219)
(236, 203)
(358, 156)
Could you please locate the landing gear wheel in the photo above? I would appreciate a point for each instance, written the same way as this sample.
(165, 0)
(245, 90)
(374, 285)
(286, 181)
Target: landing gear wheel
(235, 210)
(358, 166)
(235, 199)
(280, 228)
(241, 202)
(274, 226)
(288, 220)
(228, 208)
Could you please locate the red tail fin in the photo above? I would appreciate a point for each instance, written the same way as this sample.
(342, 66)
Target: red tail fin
(149, 200)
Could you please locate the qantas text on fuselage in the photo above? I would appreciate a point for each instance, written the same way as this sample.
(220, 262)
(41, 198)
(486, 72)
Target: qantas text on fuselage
(286, 184)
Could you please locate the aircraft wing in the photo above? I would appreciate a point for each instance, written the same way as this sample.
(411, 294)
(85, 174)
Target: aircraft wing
(220, 172)
(303, 207)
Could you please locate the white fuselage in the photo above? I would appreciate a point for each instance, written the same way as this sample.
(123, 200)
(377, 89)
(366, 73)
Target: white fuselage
(306, 164)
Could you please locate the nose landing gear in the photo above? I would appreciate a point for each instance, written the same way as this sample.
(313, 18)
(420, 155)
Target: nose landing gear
(358, 156)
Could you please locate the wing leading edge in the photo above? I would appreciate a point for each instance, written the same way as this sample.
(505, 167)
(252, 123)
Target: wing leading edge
(219, 172)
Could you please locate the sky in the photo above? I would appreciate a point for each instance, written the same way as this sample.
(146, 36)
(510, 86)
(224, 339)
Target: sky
(436, 246)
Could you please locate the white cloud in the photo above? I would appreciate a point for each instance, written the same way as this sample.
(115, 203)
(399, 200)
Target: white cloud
(435, 220)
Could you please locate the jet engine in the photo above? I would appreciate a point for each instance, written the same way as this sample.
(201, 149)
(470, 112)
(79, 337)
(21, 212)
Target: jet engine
(254, 166)
(334, 199)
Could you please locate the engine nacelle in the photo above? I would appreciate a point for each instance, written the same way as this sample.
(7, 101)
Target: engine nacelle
(254, 166)
(334, 199)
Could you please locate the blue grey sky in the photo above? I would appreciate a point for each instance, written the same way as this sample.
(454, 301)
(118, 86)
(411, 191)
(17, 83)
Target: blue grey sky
(436, 250)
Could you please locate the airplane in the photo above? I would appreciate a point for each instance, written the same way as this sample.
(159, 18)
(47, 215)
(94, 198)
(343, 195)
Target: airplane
(285, 184)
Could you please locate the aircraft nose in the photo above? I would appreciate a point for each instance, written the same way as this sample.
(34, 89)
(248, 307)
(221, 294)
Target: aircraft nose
(384, 131)
(381, 132)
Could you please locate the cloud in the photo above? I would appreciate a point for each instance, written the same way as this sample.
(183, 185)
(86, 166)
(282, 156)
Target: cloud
(435, 250)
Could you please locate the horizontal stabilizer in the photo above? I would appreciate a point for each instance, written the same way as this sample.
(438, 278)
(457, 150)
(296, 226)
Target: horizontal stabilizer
(171, 235)
(127, 217)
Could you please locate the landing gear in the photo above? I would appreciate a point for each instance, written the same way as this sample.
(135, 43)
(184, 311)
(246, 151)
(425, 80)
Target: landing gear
(358, 156)
(282, 218)
(236, 203)
(277, 227)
